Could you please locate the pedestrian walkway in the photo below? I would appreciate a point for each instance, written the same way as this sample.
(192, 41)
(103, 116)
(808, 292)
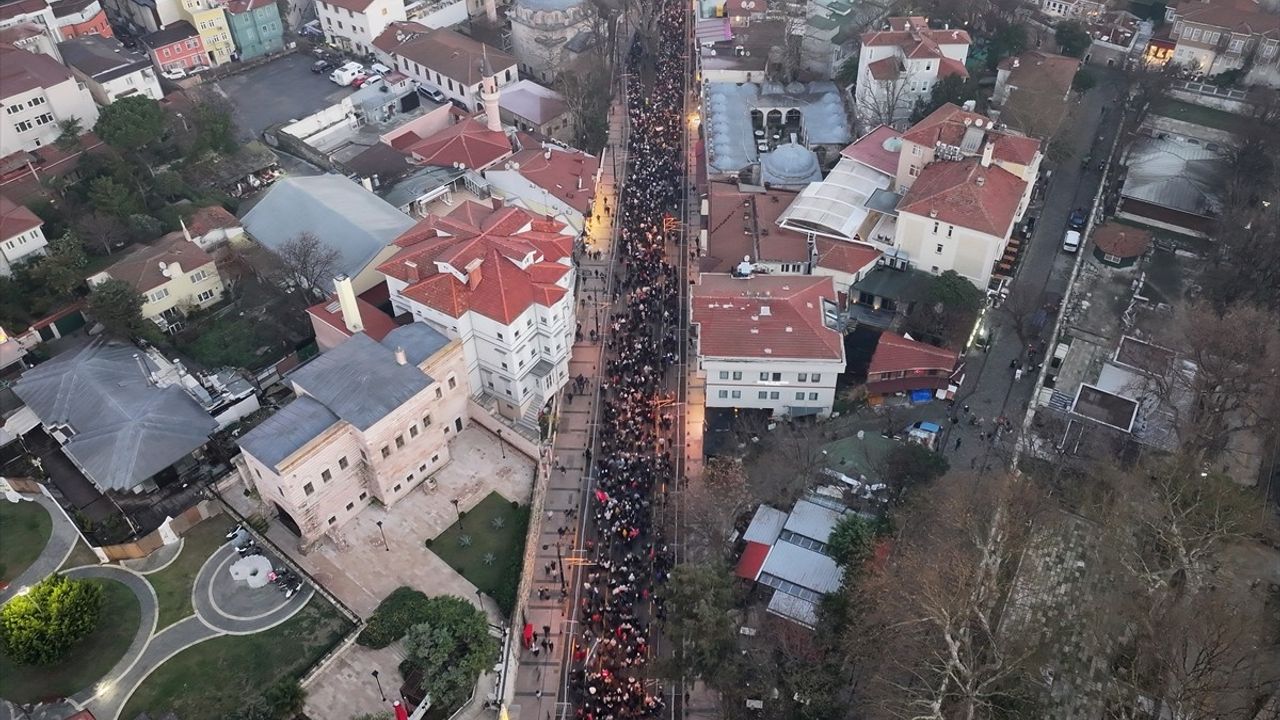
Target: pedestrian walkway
(62, 539)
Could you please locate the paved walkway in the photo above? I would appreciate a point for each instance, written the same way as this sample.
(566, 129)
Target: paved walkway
(231, 606)
(62, 539)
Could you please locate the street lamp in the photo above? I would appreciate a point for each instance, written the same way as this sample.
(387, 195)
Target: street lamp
(501, 445)
(480, 599)
(560, 564)
(455, 509)
(385, 546)
(375, 679)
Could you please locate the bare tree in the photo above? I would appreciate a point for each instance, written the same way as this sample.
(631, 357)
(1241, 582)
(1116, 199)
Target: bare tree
(785, 459)
(105, 230)
(883, 102)
(307, 261)
(713, 506)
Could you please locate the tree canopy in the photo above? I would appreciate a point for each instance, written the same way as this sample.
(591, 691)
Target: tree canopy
(912, 464)
(130, 123)
(450, 648)
(1073, 38)
(118, 306)
(61, 269)
(700, 604)
(40, 626)
(851, 541)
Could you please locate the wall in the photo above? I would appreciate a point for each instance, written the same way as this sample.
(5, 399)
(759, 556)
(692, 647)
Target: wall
(357, 30)
(139, 82)
(511, 184)
(485, 419)
(257, 32)
(749, 385)
(64, 100)
(538, 38)
(966, 251)
(312, 128)
(31, 242)
(187, 53)
(90, 21)
(427, 124)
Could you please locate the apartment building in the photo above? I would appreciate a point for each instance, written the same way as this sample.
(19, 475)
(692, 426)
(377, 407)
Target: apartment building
(144, 16)
(21, 235)
(39, 12)
(1213, 36)
(110, 70)
(36, 94)
(768, 342)
(900, 64)
(177, 47)
(447, 60)
(210, 20)
(77, 18)
(256, 27)
(353, 24)
(174, 276)
(372, 421)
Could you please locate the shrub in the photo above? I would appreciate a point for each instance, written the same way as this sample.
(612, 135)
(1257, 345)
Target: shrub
(397, 612)
(39, 627)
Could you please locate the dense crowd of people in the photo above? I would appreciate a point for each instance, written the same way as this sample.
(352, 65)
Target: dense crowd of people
(621, 594)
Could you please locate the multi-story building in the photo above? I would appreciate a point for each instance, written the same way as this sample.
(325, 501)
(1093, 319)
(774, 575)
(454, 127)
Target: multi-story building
(353, 24)
(21, 235)
(19, 12)
(209, 19)
(177, 47)
(533, 108)
(549, 180)
(110, 70)
(371, 422)
(1213, 36)
(255, 27)
(899, 65)
(36, 94)
(77, 18)
(145, 16)
(173, 276)
(768, 342)
(1084, 9)
(501, 281)
(450, 61)
(543, 34)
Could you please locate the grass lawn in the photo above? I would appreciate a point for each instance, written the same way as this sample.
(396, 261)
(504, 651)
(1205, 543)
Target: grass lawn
(1200, 115)
(486, 547)
(24, 529)
(173, 583)
(80, 555)
(86, 662)
(212, 679)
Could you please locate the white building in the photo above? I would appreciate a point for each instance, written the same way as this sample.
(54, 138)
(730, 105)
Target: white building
(353, 24)
(21, 235)
(36, 93)
(31, 11)
(768, 342)
(446, 60)
(500, 280)
(899, 65)
(548, 180)
(1073, 8)
(109, 70)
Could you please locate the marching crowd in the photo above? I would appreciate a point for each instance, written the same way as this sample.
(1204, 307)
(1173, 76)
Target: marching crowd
(622, 589)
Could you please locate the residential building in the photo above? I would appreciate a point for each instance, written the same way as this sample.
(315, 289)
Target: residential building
(548, 180)
(1116, 37)
(32, 37)
(448, 61)
(899, 65)
(1073, 9)
(344, 314)
(210, 20)
(146, 16)
(353, 24)
(1213, 36)
(174, 276)
(740, 225)
(544, 33)
(342, 215)
(371, 422)
(255, 27)
(125, 430)
(468, 143)
(109, 70)
(536, 109)
(21, 235)
(20, 12)
(212, 226)
(77, 18)
(500, 280)
(177, 47)
(36, 94)
(1032, 90)
(902, 365)
(770, 343)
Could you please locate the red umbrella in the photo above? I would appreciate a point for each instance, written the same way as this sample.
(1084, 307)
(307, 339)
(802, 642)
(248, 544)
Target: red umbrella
(401, 712)
(528, 635)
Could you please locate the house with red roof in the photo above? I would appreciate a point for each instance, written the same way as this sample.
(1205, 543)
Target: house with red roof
(900, 64)
(344, 314)
(468, 143)
(1213, 36)
(768, 342)
(902, 365)
(499, 279)
(173, 275)
(21, 235)
(548, 179)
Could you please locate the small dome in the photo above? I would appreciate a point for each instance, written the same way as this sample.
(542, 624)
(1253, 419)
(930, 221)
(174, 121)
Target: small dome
(790, 164)
(892, 144)
(548, 5)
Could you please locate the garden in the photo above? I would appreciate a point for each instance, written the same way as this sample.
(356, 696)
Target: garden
(24, 529)
(486, 546)
(173, 583)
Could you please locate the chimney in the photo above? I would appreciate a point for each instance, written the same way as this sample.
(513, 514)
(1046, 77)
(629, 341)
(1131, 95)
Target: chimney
(473, 277)
(400, 356)
(980, 180)
(987, 149)
(411, 268)
(347, 302)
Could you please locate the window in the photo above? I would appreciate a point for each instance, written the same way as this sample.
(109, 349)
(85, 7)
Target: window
(12, 109)
(399, 441)
(724, 374)
(1237, 45)
(1110, 258)
(799, 396)
(159, 295)
(913, 171)
(439, 393)
(396, 488)
(205, 296)
(435, 458)
(325, 475)
(364, 495)
(386, 452)
(199, 275)
(308, 489)
(342, 463)
(413, 431)
(722, 394)
(773, 395)
(763, 395)
(350, 505)
(936, 225)
(764, 376)
(36, 101)
(457, 423)
(938, 248)
(1195, 34)
(802, 377)
(333, 519)
(813, 396)
(165, 52)
(24, 126)
(737, 375)
(736, 394)
(915, 150)
(777, 377)
(816, 377)
(44, 119)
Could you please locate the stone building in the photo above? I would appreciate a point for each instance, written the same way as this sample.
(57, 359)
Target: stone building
(548, 34)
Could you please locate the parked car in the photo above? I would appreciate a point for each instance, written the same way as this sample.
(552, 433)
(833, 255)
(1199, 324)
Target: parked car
(359, 81)
(1078, 219)
(1071, 242)
(380, 69)
(432, 94)
(1028, 226)
(321, 66)
(175, 73)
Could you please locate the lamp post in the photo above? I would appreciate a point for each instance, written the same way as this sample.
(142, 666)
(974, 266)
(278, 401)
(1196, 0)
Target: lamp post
(480, 599)
(560, 564)
(375, 679)
(385, 546)
(501, 445)
(458, 511)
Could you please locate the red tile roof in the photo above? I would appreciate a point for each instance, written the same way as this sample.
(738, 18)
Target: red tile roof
(895, 353)
(950, 66)
(844, 256)
(376, 323)
(1121, 241)
(468, 142)
(447, 52)
(885, 68)
(15, 219)
(21, 7)
(207, 219)
(745, 224)
(559, 172)
(752, 560)
(21, 71)
(915, 37)
(947, 125)
(142, 266)
(870, 150)
(1242, 16)
(355, 6)
(966, 194)
(733, 322)
(398, 32)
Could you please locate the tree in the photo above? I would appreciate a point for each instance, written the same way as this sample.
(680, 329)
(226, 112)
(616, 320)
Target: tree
(952, 89)
(113, 198)
(305, 260)
(144, 227)
(61, 269)
(170, 185)
(912, 464)
(948, 312)
(850, 542)
(1084, 81)
(451, 647)
(712, 507)
(785, 462)
(118, 306)
(105, 230)
(884, 102)
(1008, 41)
(700, 610)
(130, 123)
(847, 75)
(1073, 38)
(586, 92)
(215, 129)
(40, 626)
(69, 132)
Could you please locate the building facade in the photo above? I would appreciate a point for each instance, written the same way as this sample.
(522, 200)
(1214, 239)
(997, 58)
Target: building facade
(542, 32)
(173, 276)
(353, 24)
(38, 94)
(21, 235)
(900, 65)
(1213, 37)
(449, 61)
(255, 27)
(145, 16)
(77, 18)
(109, 70)
(210, 20)
(39, 12)
(177, 47)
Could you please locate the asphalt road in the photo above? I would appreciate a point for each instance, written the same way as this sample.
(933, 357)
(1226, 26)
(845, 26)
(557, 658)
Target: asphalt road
(283, 89)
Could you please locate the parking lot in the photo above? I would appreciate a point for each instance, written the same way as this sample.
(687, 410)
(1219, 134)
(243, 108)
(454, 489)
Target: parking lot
(278, 91)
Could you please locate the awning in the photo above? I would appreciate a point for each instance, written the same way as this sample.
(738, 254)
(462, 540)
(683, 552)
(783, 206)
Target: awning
(713, 30)
(751, 561)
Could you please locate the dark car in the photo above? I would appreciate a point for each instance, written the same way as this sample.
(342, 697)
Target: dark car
(321, 66)
(1078, 219)
(1028, 226)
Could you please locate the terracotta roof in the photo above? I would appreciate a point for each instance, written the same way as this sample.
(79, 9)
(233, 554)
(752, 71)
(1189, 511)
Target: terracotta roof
(1038, 85)
(141, 267)
(449, 53)
(895, 353)
(735, 8)
(870, 150)
(915, 37)
(745, 224)
(355, 6)
(732, 320)
(21, 7)
(753, 557)
(398, 32)
(15, 219)
(885, 68)
(950, 66)
(236, 7)
(1241, 16)
(966, 194)
(21, 71)
(848, 257)
(1121, 241)
(376, 323)
(208, 219)
(558, 172)
(468, 142)
(948, 125)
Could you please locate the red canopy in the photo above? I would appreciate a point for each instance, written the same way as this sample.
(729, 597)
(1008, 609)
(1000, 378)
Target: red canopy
(401, 712)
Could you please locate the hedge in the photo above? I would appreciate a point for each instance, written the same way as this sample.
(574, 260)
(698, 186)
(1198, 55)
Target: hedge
(397, 612)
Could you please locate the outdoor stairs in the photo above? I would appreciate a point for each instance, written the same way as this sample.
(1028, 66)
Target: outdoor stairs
(527, 425)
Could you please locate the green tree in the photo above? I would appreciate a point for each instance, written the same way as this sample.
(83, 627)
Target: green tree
(285, 698)
(949, 311)
(69, 132)
(144, 227)
(113, 198)
(1008, 41)
(214, 129)
(170, 185)
(61, 269)
(40, 626)
(1084, 81)
(1072, 37)
(851, 541)
(131, 123)
(118, 306)
(848, 73)
(950, 89)
(912, 464)
(450, 648)
(700, 609)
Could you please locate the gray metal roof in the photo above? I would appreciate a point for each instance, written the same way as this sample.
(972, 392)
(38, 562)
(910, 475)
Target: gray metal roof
(413, 186)
(284, 433)
(794, 608)
(766, 525)
(419, 341)
(812, 520)
(342, 214)
(360, 380)
(807, 568)
(125, 428)
(1175, 172)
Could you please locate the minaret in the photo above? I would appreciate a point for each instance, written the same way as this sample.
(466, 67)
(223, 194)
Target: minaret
(491, 11)
(489, 95)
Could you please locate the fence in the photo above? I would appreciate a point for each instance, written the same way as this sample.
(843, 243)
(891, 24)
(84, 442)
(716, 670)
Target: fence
(505, 433)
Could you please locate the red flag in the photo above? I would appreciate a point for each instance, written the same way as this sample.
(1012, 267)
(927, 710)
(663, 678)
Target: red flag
(401, 712)
(528, 635)
(601, 496)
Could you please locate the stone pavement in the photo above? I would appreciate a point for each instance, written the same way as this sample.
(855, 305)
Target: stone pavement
(62, 539)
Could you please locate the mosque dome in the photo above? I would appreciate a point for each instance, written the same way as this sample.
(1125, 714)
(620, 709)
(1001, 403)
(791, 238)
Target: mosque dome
(548, 5)
(790, 164)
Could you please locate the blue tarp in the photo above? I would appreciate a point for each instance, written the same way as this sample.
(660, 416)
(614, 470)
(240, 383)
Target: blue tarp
(919, 396)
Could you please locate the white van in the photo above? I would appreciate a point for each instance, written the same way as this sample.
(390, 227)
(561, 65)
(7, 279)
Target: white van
(1071, 242)
(345, 74)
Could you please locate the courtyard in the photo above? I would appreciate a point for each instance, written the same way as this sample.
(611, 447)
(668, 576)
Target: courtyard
(278, 91)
